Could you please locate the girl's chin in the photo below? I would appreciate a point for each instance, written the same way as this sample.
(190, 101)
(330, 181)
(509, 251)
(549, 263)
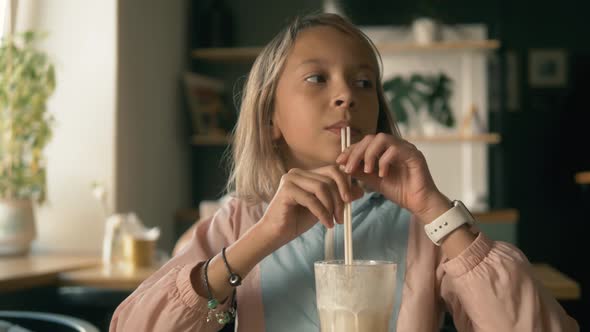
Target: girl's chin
(328, 161)
(314, 160)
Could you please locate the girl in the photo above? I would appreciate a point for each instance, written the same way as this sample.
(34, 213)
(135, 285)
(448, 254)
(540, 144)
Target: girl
(318, 75)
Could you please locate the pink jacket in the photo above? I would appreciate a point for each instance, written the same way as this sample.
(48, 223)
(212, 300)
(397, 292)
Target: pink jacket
(488, 287)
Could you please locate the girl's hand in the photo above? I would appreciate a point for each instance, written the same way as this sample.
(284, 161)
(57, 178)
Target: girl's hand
(303, 197)
(398, 170)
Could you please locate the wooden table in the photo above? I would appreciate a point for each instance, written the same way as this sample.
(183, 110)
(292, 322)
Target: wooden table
(44, 270)
(560, 285)
(39, 270)
(102, 277)
(583, 177)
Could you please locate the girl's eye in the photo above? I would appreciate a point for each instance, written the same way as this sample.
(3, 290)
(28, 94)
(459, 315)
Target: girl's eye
(315, 79)
(364, 83)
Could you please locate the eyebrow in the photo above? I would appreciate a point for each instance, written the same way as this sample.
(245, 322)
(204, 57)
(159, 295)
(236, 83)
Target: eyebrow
(322, 62)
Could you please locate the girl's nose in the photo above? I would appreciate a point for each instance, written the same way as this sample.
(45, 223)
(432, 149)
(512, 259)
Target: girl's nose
(344, 102)
(344, 97)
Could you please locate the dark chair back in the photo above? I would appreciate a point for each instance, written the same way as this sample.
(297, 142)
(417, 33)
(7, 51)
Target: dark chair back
(41, 321)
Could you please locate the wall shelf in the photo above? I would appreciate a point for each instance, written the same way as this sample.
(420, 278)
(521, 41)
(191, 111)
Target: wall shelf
(229, 54)
(460, 45)
(248, 54)
(502, 216)
(209, 140)
(490, 138)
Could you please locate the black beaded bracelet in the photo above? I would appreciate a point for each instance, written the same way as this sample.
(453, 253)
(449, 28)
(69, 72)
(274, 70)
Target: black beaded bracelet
(212, 303)
(234, 279)
(223, 317)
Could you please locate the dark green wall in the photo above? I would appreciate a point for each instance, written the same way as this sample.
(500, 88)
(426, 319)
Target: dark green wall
(547, 140)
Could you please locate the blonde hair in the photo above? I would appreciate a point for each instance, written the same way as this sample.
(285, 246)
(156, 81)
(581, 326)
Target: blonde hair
(256, 167)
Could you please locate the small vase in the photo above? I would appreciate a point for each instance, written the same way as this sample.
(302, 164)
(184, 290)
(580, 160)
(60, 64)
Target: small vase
(414, 127)
(333, 7)
(428, 126)
(17, 227)
(426, 30)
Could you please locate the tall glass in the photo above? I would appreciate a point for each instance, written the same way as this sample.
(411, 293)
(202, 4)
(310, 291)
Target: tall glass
(357, 297)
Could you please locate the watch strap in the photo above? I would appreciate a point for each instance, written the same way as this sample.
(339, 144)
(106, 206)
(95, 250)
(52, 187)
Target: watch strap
(446, 223)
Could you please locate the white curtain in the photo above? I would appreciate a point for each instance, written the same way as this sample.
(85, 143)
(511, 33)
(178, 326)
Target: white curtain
(16, 16)
(3, 17)
(8, 10)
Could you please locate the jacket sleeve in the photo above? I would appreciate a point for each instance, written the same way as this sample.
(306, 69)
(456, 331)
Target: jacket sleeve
(167, 301)
(490, 286)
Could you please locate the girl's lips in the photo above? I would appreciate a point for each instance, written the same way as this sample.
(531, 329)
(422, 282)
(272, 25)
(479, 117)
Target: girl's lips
(336, 131)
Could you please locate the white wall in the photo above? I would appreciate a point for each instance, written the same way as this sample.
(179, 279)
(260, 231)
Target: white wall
(82, 41)
(117, 106)
(152, 164)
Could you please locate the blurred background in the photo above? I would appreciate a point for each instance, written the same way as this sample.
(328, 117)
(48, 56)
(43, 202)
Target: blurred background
(146, 93)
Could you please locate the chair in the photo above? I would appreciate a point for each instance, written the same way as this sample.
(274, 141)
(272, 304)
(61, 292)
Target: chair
(42, 321)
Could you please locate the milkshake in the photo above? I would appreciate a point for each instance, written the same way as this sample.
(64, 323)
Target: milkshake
(357, 297)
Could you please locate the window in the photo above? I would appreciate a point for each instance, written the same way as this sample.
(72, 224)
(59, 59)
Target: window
(3, 16)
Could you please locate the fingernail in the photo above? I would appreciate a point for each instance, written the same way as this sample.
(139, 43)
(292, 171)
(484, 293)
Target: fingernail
(367, 169)
(339, 159)
(348, 168)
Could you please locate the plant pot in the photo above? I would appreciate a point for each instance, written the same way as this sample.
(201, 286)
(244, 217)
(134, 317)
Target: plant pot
(426, 30)
(17, 227)
(428, 126)
(333, 6)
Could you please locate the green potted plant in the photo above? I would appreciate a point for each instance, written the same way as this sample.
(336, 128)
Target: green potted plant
(27, 80)
(407, 98)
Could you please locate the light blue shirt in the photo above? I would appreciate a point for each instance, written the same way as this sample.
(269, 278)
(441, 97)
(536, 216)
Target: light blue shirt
(380, 232)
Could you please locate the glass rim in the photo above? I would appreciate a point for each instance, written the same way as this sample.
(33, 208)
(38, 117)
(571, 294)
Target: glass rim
(363, 263)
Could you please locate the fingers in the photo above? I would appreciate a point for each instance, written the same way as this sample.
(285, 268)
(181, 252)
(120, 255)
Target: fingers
(331, 192)
(404, 152)
(368, 151)
(355, 154)
(339, 178)
(387, 160)
(375, 149)
(322, 187)
(348, 191)
(310, 201)
(380, 151)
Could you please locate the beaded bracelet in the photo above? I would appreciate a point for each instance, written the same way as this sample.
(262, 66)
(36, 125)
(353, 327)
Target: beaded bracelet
(234, 279)
(222, 317)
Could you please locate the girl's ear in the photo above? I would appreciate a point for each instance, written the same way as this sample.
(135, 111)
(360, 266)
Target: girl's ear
(275, 128)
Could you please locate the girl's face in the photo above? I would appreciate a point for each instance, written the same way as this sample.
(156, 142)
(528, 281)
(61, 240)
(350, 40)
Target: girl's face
(328, 82)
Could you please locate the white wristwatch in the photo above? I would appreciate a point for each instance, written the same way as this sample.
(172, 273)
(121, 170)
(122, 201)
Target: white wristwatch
(448, 222)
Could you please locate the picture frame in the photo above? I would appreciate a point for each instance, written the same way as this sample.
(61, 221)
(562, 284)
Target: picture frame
(548, 68)
(204, 96)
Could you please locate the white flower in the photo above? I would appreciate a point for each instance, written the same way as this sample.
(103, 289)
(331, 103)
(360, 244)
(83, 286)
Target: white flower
(100, 193)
